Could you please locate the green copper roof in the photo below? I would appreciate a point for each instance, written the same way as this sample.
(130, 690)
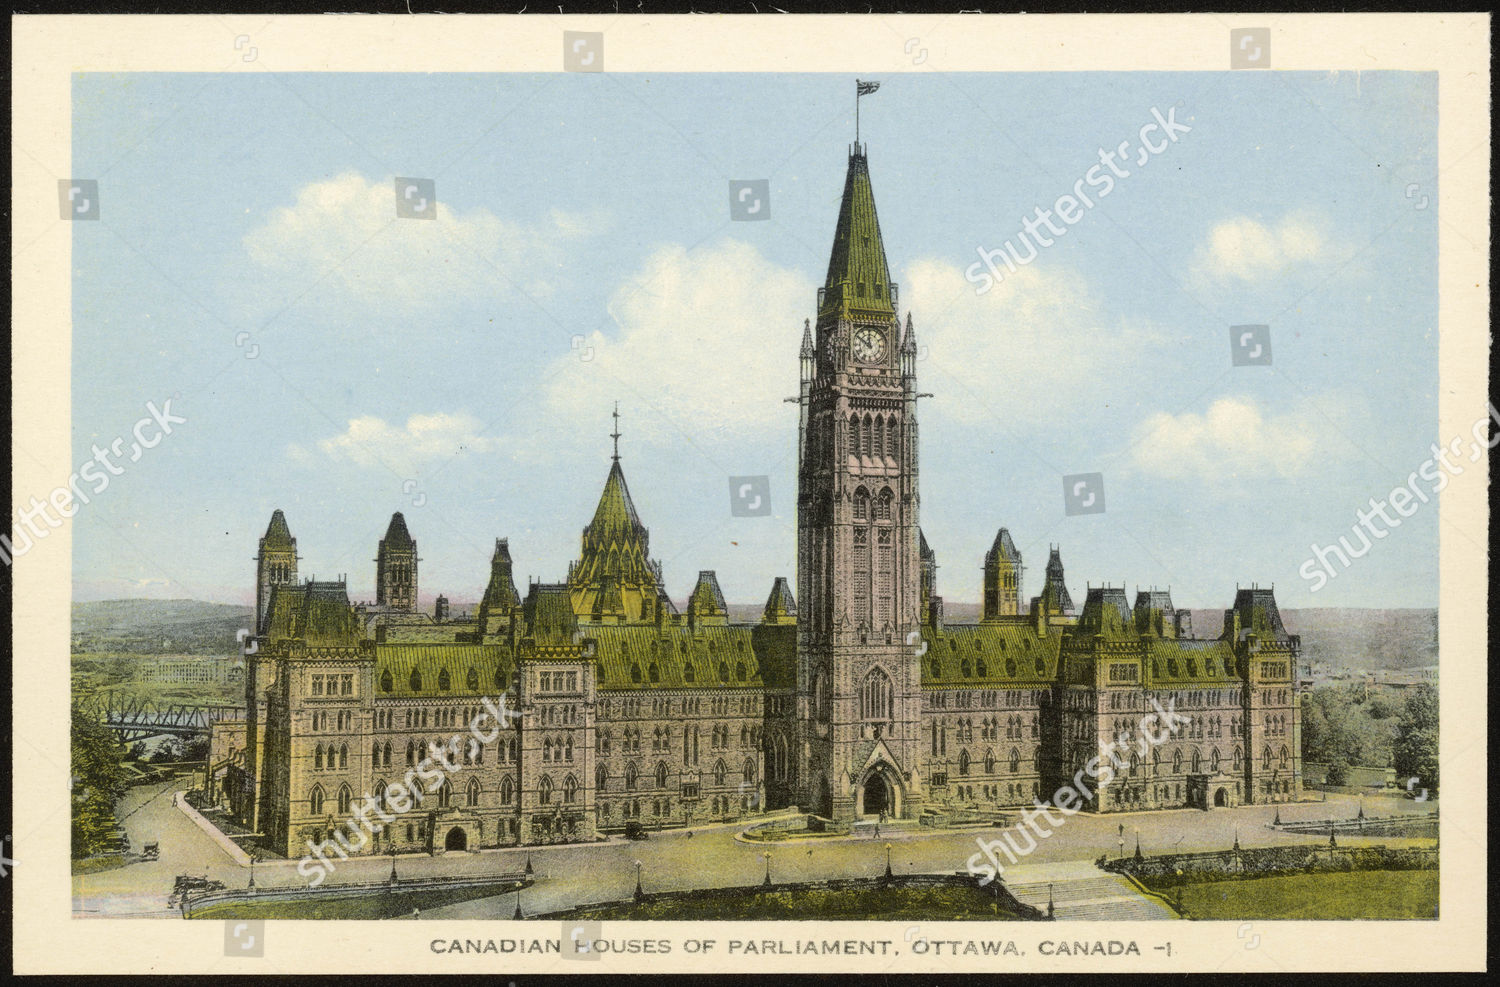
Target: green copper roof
(858, 277)
(1008, 655)
(278, 535)
(721, 656)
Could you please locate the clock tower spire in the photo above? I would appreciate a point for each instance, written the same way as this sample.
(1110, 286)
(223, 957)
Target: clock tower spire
(858, 677)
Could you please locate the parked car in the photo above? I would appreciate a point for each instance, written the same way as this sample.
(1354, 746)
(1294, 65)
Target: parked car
(635, 831)
(151, 851)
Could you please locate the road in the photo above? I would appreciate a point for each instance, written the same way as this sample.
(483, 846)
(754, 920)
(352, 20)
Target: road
(675, 860)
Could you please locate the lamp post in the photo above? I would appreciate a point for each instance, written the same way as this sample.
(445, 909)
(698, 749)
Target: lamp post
(252, 872)
(1138, 844)
(888, 874)
(394, 878)
(639, 894)
(767, 855)
(518, 914)
(1122, 841)
(1051, 909)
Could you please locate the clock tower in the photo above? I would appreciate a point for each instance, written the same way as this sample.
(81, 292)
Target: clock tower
(858, 563)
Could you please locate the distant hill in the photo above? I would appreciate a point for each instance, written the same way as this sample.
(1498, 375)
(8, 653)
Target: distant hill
(149, 627)
(1340, 636)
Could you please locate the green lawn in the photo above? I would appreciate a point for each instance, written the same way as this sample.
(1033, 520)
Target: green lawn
(1371, 894)
(330, 906)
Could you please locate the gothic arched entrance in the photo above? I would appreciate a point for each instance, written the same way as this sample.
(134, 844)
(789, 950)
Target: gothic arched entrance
(456, 839)
(878, 792)
(1220, 798)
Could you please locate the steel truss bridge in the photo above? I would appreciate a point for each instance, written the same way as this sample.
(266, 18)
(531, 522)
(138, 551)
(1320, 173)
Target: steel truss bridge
(136, 718)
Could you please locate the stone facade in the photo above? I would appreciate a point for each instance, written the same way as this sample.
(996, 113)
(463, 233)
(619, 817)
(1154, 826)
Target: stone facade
(866, 701)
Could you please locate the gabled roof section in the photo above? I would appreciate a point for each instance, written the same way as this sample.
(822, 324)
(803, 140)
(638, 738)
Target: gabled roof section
(278, 535)
(316, 613)
(548, 611)
(396, 535)
(781, 608)
(1107, 612)
(858, 277)
(1258, 614)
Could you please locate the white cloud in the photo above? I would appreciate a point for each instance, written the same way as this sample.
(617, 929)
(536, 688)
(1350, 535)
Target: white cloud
(1020, 350)
(1247, 250)
(424, 439)
(1232, 438)
(344, 232)
(707, 342)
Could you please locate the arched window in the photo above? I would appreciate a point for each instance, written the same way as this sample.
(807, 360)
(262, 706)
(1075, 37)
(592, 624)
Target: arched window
(570, 790)
(315, 801)
(1177, 762)
(544, 790)
(723, 671)
(387, 759)
(444, 682)
(720, 772)
(853, 436)
(416, 680)
(343, 756)
(1265, 758)
(689, 673)
(507, 791)
(653, 673)
(1015, 760)
(635, 672)
(632, 773)
(963, 762)
(1214, 760)
(472, 680)
(1197, 760)
(1283, 758)
(375, 755)
(883, 505)
(661, 774)
(877, 697)
(318, 757)
(345, 797)
(749, 771)
(989, 762)
(386, 683)
(471, 793)
(861, 504)
(1236, 757)
(864, 436)
(965, 669)
(980, 668)
(601, 777)
(879, 435)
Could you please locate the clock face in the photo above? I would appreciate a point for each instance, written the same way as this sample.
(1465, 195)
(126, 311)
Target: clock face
(869, 345)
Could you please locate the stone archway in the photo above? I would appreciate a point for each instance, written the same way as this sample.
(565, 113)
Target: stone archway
(456, 839)
(879, 790)
(1221, 798)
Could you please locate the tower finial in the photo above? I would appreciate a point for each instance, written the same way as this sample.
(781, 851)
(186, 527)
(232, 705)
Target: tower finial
(616, 433)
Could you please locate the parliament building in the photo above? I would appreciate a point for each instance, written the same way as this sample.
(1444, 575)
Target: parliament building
(852, 698)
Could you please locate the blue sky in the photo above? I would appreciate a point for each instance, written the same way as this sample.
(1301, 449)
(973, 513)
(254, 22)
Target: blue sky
(463, 370)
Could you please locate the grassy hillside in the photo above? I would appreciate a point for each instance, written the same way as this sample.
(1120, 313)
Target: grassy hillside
(149, 627)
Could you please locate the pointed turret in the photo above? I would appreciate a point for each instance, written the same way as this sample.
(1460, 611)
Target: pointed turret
(616, 550)
(781, 608)
(706, 605)
(1054, 596)
(859, 278)
(1003, 573)
(275, 565)
(396, 567)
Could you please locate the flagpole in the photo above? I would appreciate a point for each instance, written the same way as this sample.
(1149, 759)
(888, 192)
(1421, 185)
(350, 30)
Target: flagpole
(856, 114)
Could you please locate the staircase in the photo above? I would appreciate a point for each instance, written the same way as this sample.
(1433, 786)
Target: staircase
(1082, 892)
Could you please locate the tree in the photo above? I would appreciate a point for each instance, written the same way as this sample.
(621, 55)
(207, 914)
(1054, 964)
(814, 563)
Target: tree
(99, 781)
(1416, 746)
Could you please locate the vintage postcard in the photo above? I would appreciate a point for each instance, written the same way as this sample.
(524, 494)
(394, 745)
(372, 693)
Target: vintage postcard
(911, 494)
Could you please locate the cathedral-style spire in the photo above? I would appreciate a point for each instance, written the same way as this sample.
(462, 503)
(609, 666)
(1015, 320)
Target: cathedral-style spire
(278, 535)
(614, 574)
(859, 279)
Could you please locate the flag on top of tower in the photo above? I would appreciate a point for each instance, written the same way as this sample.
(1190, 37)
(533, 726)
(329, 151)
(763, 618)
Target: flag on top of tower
(865, 88)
